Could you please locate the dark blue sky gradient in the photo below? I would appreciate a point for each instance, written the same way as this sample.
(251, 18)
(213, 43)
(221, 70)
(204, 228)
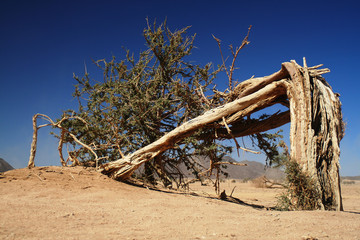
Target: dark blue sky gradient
(43, 43)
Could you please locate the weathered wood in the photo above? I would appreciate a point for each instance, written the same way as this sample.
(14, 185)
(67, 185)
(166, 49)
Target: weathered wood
(31, 162)
(249, 127)
(60, 147)
(316, 131)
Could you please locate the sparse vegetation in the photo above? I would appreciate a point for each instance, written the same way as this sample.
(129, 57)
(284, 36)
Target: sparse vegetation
(264, 182)
(301, 193)
(245, 180)
(259, 182)
(348, 182)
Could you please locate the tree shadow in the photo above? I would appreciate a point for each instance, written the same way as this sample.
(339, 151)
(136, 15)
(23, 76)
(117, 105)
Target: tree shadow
(352, 212)
(225, 198)
(238, 201)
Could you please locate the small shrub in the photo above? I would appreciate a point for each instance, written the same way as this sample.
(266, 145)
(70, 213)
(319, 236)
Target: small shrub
(283, 202)
(245, 180)
(301, 193)
(348, 182)
(259, 182)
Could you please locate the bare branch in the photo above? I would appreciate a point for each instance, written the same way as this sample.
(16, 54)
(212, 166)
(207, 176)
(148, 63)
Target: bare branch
(231, 163)
(63, 131)
(222, 56)
(235, 55)
(60, 146)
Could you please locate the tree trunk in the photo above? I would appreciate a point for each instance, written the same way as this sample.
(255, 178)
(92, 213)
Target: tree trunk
(316, 131)
(31, 162)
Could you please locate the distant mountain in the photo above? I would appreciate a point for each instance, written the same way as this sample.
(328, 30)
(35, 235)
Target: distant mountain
(350, 178)
(251, 171)
(4, 166)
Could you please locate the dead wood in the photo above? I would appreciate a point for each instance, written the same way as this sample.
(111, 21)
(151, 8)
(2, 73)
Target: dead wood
(31, 162)
(316, 131)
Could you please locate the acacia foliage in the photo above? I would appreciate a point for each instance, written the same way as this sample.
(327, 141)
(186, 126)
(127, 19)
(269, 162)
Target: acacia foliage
(301, 192)
(142, 98)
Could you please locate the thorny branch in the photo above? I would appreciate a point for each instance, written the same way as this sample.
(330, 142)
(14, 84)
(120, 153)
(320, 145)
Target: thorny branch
(235, 53)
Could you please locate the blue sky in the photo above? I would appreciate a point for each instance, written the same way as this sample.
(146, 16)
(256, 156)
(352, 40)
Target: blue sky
(44, 42)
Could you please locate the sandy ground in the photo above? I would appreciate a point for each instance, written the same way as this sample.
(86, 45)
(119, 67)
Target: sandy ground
(78, 203)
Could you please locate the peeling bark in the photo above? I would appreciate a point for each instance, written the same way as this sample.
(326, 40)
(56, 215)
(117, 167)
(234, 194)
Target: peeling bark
(316, 131)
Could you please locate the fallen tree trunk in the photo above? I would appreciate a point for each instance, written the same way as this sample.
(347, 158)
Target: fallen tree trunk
(316, 126)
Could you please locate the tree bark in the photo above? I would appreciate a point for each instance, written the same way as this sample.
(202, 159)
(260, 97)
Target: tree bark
(31, 162)
(60, 147)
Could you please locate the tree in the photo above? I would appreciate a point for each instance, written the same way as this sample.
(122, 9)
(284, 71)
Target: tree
(157, 111)
(141, 99)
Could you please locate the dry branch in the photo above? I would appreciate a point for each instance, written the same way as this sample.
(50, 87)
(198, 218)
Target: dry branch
(60, 147)
(231, 163)
(31, 163)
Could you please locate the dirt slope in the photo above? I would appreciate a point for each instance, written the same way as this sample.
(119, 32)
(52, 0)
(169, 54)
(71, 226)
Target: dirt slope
(78, 203)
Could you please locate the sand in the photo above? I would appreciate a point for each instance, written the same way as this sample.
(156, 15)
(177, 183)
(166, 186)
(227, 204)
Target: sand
(79, 203)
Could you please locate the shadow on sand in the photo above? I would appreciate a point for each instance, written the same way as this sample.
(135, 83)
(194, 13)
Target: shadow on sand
(220, 198)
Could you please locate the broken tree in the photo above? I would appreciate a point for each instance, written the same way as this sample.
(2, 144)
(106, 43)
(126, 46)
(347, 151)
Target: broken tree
(314, 113)
(140, 114)
(315, 133)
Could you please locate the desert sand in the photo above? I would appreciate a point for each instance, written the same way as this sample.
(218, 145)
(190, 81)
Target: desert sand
(80, 203)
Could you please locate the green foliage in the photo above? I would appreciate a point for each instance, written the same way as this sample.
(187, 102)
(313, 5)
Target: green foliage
(301, 193)
(281, 157)
(141, 99)
(269, 143)
(348, 182)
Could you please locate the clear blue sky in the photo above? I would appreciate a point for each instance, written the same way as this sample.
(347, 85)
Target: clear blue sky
(43, 43)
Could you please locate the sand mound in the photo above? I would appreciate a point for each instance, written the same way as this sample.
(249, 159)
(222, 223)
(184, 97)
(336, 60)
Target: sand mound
(79, 203)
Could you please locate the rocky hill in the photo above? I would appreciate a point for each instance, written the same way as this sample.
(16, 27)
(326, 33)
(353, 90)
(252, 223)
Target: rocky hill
(4, 166)
(251, 171)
